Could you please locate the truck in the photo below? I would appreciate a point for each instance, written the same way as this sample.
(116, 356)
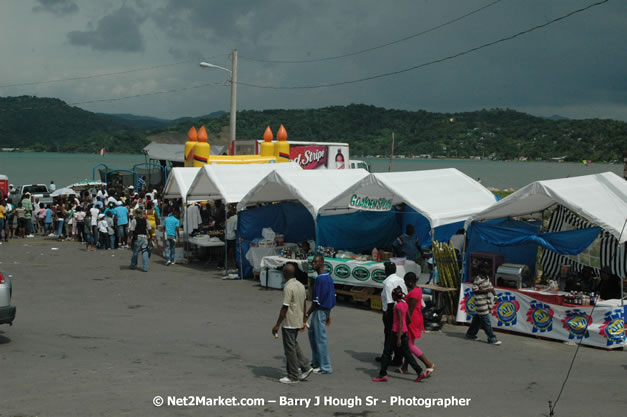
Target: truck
(39, 191)
(309, 155)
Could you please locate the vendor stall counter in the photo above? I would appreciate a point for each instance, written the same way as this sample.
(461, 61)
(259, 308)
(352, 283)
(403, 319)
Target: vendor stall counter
(545, 314)
(362, 273)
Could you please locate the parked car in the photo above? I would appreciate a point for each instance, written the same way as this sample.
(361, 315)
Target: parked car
(36, 190)
(7, 311)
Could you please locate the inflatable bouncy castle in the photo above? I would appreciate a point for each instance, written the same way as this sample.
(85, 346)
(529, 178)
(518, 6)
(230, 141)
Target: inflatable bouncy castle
(198, 151)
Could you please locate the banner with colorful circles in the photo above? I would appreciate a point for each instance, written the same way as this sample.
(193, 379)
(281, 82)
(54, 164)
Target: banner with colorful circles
(601, 326)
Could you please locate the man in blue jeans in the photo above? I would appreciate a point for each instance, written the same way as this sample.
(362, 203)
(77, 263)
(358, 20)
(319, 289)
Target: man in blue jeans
(323, 300)
(482, 287)
(171, 225)
(140, 238)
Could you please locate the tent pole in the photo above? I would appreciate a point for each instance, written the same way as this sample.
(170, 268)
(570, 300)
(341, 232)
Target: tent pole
(226, 249)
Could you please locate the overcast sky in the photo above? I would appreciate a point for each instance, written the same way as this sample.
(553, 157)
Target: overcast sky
(574, 68)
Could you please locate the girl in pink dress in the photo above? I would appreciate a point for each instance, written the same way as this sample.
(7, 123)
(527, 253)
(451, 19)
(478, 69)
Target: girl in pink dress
(416, 325)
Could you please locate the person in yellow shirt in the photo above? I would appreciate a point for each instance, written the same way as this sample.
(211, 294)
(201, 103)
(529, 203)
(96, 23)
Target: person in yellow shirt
(3, 220)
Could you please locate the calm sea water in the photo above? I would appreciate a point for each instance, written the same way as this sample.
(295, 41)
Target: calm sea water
(65, 169)
(499, 174)
(62, 168)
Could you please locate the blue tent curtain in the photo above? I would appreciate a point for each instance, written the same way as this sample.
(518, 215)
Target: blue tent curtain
(523, 253)
(291, 219)
(423, 227)
(571, 242)
(360, 231)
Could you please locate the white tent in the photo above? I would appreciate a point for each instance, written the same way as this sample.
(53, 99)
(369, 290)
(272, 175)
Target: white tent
(231, 182)
(443, 196)
(179, 181)
(312, 188)
(600, 198)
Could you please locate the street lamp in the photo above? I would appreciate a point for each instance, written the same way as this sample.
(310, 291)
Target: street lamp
(233, 116)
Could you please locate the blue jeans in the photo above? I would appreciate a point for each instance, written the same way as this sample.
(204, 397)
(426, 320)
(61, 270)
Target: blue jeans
(140, 244)
(112, 241)
(2, 228)
(319, 340)
(170, 249)
(478, 322)
(60, 224)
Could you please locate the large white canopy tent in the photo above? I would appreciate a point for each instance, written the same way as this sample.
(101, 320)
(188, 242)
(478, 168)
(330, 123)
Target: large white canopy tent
(179, 181)
(600, 198)
(443, 196)
(312, 188)
(231, 182)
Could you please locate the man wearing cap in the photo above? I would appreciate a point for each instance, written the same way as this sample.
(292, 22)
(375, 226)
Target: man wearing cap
(121, 221)
(102, 231)
(140, 237)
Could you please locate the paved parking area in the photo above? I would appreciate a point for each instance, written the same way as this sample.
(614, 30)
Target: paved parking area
(93, 338)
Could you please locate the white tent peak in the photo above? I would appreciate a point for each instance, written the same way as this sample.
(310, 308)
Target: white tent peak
(179, 181)
(312, 188)
(600, 198)
(443, 196)
(231, 182)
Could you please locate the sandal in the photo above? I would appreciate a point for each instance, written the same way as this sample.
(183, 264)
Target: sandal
(425, 374)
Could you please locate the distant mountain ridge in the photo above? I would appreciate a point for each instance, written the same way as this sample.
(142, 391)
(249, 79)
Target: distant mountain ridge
(48, 124)
(148, 122)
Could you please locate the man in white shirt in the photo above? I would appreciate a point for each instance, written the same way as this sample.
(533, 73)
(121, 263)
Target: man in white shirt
(387, 305)
(231, 234)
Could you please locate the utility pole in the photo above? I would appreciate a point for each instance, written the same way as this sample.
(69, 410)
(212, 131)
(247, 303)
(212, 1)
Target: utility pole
(391, 154)
(233, 118)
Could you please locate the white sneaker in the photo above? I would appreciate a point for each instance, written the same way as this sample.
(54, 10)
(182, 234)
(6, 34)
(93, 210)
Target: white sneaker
(172, 263)
(306, 374)
(168, 263)
(498, 342)
(30, 236)
(287, 380)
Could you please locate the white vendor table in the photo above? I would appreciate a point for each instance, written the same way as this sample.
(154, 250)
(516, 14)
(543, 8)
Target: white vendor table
(256, 254)
(206, 242)
(272, 262)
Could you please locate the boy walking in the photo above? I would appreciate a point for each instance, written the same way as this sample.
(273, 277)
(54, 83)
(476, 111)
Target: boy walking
(482, 287)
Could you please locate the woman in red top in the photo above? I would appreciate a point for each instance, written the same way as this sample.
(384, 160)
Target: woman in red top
(416, 326)
(400, 329)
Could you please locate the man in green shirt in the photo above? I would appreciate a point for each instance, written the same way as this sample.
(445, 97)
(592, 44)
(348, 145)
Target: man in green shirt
(28, 214)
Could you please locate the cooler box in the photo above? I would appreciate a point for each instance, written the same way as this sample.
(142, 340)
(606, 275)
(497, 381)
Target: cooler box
(272, 278)
(4, 185)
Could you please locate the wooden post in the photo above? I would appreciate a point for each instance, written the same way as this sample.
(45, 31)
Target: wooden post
(391, 154)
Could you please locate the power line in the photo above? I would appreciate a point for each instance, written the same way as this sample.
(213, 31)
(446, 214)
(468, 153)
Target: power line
(153, 93)
(105, 74)
(362, 51)
(426, 64)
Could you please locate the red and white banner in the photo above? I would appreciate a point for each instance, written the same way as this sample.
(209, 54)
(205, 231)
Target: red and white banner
(601, 325)
(310, 156)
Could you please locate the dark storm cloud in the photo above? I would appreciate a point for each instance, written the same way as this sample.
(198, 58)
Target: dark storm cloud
(57, 7)
(119, 31)
(238, 21)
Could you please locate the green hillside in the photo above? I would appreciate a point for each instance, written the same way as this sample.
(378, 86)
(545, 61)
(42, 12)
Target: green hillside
(51, 125)
(495, 133)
